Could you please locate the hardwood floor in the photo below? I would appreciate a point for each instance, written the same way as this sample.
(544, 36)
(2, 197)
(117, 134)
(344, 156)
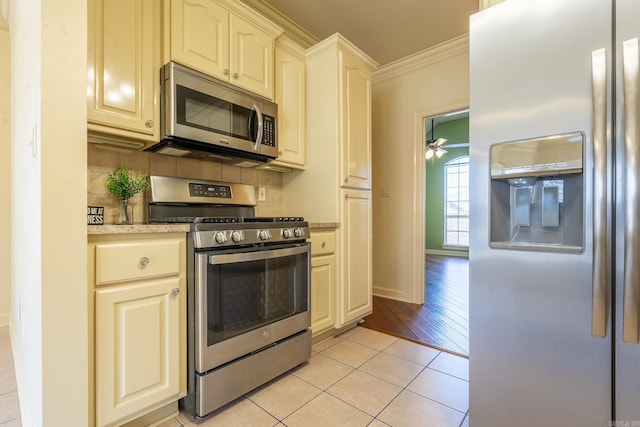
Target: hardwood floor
(443, 320)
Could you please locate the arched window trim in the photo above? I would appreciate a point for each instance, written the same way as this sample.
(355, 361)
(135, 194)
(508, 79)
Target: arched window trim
(456, 203)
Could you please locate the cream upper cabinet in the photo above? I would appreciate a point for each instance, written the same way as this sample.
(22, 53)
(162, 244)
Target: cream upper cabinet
(290, 95)
(224, 39)
(338, 130)
(200, 36)
(355, 161)
(123, 84)
(139, 285)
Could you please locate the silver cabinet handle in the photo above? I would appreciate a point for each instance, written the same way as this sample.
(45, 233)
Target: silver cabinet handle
(175, 291)
(226, 71)
(599, 272)
(323, 244)
(235, 75)
(144, 261)
(632, 198)
(149, 123)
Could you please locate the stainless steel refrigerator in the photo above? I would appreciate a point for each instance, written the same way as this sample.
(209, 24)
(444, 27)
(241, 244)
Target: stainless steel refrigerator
(555, 198)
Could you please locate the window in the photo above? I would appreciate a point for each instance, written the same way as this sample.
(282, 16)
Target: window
(456, 215)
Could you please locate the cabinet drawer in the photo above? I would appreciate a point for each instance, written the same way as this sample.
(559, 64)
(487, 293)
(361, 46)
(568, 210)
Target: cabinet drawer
(322, 242)
(117, 262)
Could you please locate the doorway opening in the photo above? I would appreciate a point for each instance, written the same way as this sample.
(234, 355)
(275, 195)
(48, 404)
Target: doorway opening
(446, 252)
(442, 320)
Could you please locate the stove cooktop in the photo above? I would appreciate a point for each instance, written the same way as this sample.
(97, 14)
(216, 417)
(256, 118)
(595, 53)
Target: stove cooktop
(226, 219)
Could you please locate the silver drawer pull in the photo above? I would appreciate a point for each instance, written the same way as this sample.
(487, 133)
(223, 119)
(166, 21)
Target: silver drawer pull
(144, 261)
(175, 291)
(323, 244)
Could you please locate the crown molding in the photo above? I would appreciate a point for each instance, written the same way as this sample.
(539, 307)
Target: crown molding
(449, 49)
(337, 40)
(294, 31)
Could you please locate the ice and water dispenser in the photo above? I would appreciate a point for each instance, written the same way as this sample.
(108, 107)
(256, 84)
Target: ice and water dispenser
(537, 194)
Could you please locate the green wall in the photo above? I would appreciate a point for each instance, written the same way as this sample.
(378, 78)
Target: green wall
(456, 131)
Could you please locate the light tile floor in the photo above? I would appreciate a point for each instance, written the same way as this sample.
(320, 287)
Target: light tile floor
(360, 378)
(9, 406)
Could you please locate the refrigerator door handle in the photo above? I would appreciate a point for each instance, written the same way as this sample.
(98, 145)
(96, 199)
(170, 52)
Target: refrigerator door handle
(630, 67)
(599, 280)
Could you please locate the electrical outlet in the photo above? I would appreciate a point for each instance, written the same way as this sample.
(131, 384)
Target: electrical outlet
(262, 194)
(386, 192)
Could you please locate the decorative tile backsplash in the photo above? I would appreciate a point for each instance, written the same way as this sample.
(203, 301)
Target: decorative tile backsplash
(102, 160)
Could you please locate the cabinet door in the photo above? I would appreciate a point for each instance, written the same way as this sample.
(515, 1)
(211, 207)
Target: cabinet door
(200, 36)
(251, 57)
(123, 67)
(137, 348)
(355, 81)
(355, 287)
(290, 83)
(323, 288)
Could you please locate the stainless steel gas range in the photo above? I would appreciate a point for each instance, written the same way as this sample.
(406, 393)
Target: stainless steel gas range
(247, 288)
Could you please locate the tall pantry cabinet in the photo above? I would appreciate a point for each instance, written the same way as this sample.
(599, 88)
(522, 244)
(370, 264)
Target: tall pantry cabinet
(336, 186)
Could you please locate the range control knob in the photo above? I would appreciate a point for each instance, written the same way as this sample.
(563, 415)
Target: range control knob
(264, 234)
(220, 237)
(298, 232)
(287, 233)
(237, 236)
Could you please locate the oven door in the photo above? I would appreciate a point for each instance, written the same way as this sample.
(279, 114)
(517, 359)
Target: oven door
(248, 300)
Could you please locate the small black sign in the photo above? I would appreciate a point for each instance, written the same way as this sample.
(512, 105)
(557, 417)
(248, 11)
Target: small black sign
(95, 215)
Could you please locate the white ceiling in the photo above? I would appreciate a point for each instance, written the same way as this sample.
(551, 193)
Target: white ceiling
(386, 30)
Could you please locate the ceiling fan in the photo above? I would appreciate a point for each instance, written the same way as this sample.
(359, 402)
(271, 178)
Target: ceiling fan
(434, 146)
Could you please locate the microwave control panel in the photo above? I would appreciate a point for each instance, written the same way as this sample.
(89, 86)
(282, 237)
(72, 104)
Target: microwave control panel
(269, 131)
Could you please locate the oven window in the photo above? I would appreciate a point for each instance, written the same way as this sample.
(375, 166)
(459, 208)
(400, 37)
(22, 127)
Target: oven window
(246, 295)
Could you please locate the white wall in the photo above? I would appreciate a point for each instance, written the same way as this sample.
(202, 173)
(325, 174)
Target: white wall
(5, 170)
(48, 106)
(430, 83)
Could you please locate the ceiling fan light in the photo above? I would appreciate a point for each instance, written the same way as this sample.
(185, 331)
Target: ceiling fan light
(440, 153)
(429, 154)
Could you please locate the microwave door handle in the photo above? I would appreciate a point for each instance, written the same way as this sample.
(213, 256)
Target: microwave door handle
(258, 140)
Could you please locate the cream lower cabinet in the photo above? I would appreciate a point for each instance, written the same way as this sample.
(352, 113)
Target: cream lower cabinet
(140, 321)
(323, 280)
(355, 292)
(123, 85)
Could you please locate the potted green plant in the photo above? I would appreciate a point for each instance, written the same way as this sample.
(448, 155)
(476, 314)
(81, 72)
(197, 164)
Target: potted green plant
(124, 186)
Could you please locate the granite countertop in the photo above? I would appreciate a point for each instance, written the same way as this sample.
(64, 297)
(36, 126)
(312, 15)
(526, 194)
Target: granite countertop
(137, 228)
(167, 228)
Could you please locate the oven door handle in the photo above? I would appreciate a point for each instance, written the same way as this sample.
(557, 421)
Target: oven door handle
(257, 255)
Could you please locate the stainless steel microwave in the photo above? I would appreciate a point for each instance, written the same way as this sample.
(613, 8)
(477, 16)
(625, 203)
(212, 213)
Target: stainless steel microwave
(206, 118)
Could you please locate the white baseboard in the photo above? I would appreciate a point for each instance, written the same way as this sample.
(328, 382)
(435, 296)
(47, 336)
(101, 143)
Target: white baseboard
(444, 252)
(391, 294)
